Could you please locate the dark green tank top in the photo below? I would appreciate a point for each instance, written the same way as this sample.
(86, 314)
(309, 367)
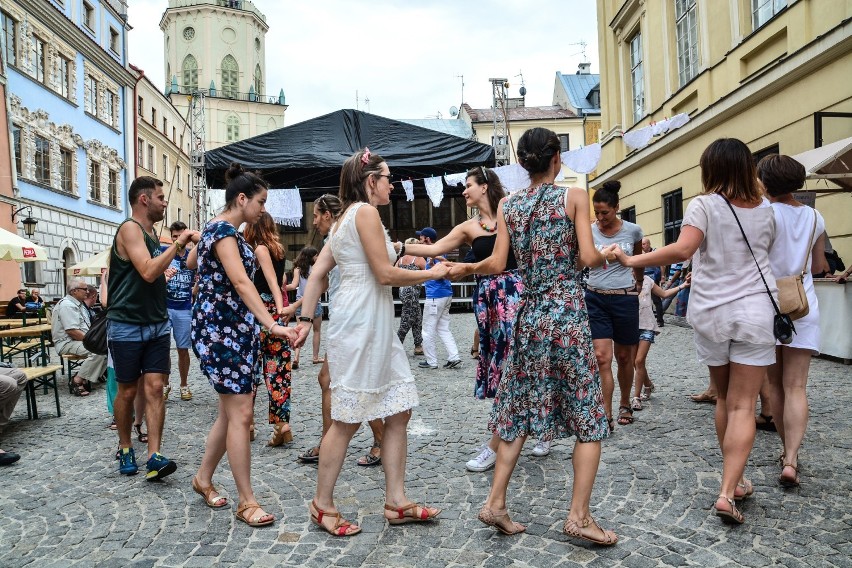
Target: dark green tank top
(130, 298)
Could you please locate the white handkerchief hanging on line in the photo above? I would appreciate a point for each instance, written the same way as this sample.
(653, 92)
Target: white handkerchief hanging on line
(513, 177)
(435, 190)
(285, 206)
(216, 200)
(455, 179)
(583, 160)
(639, 138)
(408, 187)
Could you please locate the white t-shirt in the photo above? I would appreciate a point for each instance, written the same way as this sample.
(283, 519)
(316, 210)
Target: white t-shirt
(728, 300)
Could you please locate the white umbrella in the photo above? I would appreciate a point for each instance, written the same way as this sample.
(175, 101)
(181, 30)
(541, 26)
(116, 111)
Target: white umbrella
(832, 162)
(13, 247)
(92, 266)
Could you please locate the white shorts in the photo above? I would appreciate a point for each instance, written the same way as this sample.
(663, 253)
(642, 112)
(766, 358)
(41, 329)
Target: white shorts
(716, 354)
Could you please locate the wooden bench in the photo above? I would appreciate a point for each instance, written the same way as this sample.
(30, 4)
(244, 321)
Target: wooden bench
(71, 362)
(26, 348)
(40, 377)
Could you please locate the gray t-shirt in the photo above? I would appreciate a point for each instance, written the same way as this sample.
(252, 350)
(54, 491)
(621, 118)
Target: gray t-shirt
(615, 275)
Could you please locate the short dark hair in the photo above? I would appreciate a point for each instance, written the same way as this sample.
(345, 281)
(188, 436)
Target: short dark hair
(142, 184)
(727, 168)
(608, 193)
(781, 174)
(24, 290)
(177, 226)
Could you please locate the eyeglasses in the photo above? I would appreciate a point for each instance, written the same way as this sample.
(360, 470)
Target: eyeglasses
(385, 176)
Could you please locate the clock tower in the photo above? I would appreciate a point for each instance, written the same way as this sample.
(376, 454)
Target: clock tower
(218, 48)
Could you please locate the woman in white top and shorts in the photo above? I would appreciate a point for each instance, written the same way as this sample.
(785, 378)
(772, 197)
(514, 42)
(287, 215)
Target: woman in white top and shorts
(799, 243)
(729, 309)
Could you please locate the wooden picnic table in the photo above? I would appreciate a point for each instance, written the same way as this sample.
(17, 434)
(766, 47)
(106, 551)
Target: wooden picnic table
(19, 335)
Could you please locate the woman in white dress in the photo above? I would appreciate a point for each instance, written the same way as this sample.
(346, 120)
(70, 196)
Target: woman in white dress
(370, 374)
(799, 243)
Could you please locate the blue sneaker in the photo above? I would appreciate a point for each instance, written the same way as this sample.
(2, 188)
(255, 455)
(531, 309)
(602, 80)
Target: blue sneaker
(425, 365)
(126, 461)
(159, 466)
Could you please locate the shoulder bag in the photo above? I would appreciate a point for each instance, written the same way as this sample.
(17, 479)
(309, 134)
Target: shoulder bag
(95, 340)
(792, 299)
(783, 326)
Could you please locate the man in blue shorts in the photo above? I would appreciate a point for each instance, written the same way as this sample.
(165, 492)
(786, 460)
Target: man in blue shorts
(179, 283)
(138, 332)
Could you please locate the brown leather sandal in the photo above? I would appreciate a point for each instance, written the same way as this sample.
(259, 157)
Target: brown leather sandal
(574, 529)
(408, 514)
(732, 517)
(256, 521)
(341, 526)
(216, 502)
(787, 481)
(500, 520)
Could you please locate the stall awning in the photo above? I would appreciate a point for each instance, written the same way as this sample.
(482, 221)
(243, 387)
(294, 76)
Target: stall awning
(832, 162)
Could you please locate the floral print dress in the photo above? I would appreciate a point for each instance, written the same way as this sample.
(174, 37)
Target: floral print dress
(551, 387)
(225, 336)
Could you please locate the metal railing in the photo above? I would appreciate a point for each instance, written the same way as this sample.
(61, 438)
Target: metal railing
(120, 6)
(232, 95)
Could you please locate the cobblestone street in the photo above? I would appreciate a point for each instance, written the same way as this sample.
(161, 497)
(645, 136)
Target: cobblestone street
(64, 503)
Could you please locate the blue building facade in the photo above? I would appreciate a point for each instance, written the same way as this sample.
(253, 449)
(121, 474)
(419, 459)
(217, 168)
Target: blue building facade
(68, 86)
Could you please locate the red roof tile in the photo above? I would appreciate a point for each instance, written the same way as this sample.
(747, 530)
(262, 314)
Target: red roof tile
(519, 113)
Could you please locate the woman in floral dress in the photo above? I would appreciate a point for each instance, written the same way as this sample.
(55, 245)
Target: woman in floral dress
(225, 338)
(551, 386)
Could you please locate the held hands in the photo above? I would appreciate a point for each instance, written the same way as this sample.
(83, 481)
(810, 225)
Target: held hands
(170, 272)
(288, 333)
(302, 330)
(439, 271)
(457, 270)
(613, 253)
(187, 236)
(286, 314)
(688, 282)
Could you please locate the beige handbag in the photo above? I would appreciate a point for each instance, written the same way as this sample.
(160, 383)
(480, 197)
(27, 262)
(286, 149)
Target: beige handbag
(792, 299)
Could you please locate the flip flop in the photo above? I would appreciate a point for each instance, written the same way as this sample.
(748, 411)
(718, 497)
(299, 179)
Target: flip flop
(703, 397)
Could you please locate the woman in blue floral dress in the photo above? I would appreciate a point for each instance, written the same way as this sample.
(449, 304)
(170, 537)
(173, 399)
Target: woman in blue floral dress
(551, 386)
(225, 334)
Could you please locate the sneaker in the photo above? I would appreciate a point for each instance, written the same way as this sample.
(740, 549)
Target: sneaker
(185, 393)
(541, 449)
(166, 390)
(483, 462)
(426, 365)
(126, 461)
(418, 351)
(159, 466)
(452, 364)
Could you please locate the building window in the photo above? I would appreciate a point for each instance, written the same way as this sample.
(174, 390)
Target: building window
(637, 78)
(190, 75)
(629, 214)
(768, 151)
(230, 77)
(686, 25)
(10, 33)
(672, 215)
(110, 108)
(16, 143)
(177, 176)
(112, 188)
(38, 59)
(140, 104)
(66, 165)
(140, 152)
(174, 134)
(165, 125)
(179, 215)
(165, 173)
(764, 10)
(113, 40)
(258, 81)
(42, 160)
(233, 128)
(64, 77)
(89, 16)
(563, 142)
(150, 158)
(92, 98)
(153, 117)
(95, 182)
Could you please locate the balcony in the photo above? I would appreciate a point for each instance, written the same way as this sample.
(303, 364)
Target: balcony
(119, 6)
(246, 5)
(250, 97)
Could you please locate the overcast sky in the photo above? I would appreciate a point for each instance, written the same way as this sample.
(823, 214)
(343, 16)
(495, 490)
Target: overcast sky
(403, 55)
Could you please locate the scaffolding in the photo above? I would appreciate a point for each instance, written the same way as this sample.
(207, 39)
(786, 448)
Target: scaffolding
(197, 136)
(500, 138)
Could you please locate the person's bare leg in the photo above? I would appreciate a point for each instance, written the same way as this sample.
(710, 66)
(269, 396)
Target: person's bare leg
(122, 406)
(155, 409)
(324, 380)
(794, 411)
(332, 453)
(603, 353)
(585, 461)
(766, 397)
(214, 448)
(642, 378)
(625, 355)
(317, 337)
(238, 408)
(378, 428)
(183, 365)
(139, 402)
(507, 459)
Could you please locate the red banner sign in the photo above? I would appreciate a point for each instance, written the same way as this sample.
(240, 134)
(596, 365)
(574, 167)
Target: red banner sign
(28, 252)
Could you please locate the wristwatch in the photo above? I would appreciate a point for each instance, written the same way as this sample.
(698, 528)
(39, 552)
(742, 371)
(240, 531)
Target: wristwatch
(306, 318)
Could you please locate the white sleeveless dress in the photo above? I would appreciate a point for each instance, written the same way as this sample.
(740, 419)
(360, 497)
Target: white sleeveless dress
(370, 374)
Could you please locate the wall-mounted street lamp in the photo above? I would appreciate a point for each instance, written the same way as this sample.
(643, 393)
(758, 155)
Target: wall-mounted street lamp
(29, 222)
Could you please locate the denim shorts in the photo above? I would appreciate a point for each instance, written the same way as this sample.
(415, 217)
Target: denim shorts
(317, 311)
(614, 317)
(647, 335)
(181, 321)
(139, 349)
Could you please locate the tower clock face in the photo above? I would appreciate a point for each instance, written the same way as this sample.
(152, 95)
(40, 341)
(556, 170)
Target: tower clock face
(188, 33)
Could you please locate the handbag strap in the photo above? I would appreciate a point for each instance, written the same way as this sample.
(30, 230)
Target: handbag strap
(810, 245)
(745, 238)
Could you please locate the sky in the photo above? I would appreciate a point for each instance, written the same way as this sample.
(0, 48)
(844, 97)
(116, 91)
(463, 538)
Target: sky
(407, 57)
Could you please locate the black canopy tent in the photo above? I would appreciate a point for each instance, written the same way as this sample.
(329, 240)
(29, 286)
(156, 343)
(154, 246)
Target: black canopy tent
(309, 154)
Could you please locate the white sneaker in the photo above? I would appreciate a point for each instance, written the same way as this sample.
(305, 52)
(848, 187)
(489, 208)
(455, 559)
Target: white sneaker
(541, 449)
(483, 462)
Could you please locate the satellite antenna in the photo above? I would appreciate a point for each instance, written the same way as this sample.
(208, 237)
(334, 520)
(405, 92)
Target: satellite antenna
(523, 89)
(583, 45)
(454, 111)
(462, 88)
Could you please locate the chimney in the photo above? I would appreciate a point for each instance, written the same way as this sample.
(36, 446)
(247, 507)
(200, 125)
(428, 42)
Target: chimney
(583, 68)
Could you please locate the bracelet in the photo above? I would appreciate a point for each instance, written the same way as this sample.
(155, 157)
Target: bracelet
(401, 252)
(306, 318)
(179, 247)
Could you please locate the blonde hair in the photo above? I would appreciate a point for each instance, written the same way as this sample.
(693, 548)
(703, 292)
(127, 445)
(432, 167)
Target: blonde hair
(412, 241)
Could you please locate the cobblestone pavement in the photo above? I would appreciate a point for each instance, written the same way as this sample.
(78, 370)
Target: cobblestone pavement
(64, 503)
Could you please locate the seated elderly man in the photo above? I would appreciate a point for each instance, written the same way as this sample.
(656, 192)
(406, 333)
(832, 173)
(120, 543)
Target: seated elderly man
(71, 321)
(12, 384)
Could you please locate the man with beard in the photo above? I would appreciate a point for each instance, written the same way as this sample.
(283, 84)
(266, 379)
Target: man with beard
(139, 331)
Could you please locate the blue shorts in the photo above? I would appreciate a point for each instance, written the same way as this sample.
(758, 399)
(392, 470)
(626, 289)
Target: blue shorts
(139, 349)
(317, 311)
(614, 316)
(181, 321)
(647, 335)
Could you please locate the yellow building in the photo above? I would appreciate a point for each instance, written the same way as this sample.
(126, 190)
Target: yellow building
(776, 74)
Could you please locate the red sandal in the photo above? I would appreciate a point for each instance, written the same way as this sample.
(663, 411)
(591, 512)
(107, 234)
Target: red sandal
(341, 527)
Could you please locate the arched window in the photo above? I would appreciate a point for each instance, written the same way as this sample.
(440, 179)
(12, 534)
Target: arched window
(190, 75)
(230, 77)
(233, 128)
(258, 82)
